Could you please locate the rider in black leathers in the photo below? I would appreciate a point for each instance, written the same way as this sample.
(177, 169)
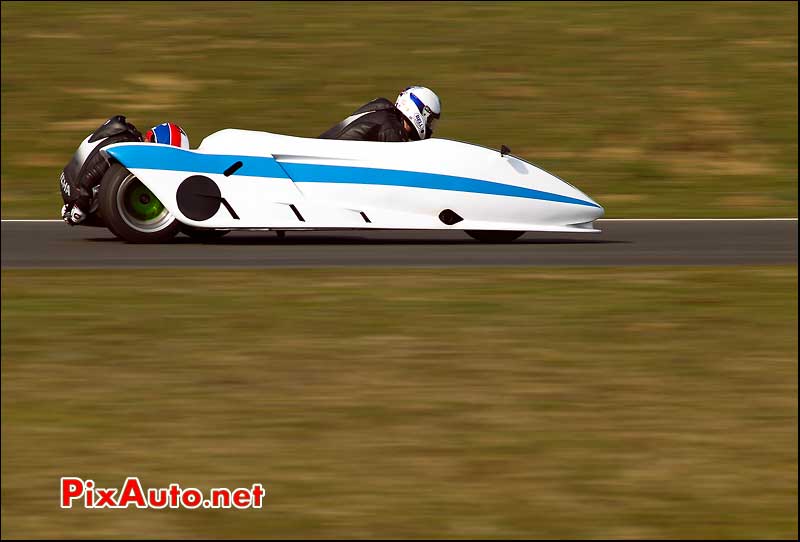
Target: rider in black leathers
(411, 118)
(379, 120)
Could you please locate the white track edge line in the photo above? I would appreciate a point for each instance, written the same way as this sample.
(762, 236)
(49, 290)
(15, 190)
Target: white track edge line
(695, 219)
(599, 220)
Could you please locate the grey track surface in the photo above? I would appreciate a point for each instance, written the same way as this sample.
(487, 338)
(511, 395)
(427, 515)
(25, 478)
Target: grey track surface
(622, 243)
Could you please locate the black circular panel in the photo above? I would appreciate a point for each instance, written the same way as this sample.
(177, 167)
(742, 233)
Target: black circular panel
(450, 217)
(198, 198)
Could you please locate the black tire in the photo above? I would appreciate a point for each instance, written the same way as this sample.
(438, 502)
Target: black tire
(117, 201)
(494, 236)
(202, 234)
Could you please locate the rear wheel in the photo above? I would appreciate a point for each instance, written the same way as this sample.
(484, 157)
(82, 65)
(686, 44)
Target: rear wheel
(494, 236)
(131, 211)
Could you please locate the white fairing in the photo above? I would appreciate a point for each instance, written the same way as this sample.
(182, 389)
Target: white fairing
(286, 182)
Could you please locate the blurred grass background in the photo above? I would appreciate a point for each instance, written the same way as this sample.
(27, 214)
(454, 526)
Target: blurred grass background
(558, 403)
(671, 109)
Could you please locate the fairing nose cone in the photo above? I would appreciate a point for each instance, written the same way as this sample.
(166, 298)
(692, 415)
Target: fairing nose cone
(587, 199)
(594, 210)
(583, 216)
(598, 211)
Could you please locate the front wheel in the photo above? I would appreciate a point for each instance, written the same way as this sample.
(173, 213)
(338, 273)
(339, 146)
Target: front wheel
(494, 236)
(131, 211)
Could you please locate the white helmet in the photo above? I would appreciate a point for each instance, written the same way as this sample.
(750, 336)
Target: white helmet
(420, 105)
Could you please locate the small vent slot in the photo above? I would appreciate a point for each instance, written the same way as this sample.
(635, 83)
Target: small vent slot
(233, 169)
(224, 203)
(450, 217)
(297, 213)
(229, 208)
(365, 217)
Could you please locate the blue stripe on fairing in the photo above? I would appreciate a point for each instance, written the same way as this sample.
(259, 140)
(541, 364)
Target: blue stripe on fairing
(312, 173)
(150, 156)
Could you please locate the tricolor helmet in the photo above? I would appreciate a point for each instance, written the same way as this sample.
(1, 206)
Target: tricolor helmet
(168, 133)
(421, 107)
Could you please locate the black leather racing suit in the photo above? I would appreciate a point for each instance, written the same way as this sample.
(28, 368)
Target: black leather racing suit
(86, 169)
(379, 120)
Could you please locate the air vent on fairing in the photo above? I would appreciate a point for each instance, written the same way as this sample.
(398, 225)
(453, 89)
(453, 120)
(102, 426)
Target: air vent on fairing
(450, 217)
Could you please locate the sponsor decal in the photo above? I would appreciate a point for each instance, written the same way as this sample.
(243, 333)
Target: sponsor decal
(65, 185)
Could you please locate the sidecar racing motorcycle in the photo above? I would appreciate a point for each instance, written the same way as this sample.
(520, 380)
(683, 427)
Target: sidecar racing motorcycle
(249, 180)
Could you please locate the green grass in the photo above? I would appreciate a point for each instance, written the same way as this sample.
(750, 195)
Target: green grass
(654, 109)
(643, 403)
